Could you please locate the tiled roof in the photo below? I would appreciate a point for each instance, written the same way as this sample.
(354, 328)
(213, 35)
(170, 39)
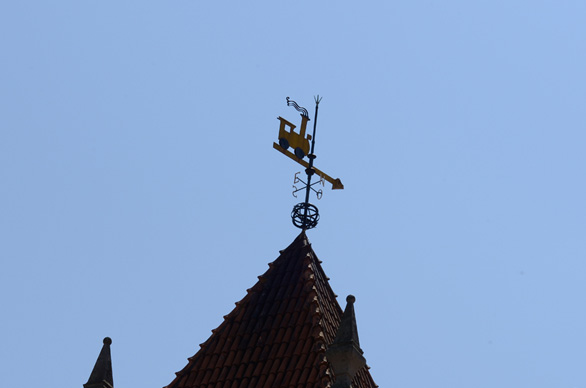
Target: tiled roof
(277, 335)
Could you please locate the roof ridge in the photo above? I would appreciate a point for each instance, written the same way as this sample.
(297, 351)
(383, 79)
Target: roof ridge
(320, 344)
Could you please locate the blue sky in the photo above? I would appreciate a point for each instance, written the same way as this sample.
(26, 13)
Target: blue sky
(140, 195)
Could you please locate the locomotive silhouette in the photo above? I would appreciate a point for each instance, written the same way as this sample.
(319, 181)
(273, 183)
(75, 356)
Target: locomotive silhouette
(289, 138)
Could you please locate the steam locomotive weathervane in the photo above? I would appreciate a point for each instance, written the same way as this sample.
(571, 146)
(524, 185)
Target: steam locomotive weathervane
(304, 214)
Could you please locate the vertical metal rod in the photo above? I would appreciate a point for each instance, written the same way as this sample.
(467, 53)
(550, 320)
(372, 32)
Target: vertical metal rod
(309, 170)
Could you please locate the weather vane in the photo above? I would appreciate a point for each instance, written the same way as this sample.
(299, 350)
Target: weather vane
(304, 214)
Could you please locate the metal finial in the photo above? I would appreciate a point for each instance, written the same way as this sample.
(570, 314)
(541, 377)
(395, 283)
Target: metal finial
(305, 215)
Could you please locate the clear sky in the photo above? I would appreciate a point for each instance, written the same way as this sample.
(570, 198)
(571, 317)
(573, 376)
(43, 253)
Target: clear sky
(140, 195)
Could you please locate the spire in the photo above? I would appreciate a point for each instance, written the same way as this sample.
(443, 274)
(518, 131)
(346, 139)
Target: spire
(344, 354)
(101, 376)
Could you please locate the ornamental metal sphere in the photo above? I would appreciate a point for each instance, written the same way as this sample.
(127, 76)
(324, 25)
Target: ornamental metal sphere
(305, 216)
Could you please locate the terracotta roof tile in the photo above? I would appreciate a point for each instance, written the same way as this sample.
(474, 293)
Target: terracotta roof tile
(230, 358)
(261, 381)
(269, 382)
(279, 380)
(215, 375)
(238, 358)
(206, 377)
(223, 374)
(267, 368)
(281, 351)
(295, 377)
(304, 374)
(313, 374)
(277, 334)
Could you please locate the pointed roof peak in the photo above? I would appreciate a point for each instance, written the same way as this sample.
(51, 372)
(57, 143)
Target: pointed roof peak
(101, 376)
(344, 354)
(301, 239)
(348, 330)
(300, 242)
(277, 335)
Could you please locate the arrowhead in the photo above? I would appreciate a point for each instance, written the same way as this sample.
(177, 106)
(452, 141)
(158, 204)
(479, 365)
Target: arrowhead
(337, 185)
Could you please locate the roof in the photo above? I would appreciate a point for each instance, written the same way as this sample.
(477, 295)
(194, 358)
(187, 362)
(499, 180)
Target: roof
(277, 335)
